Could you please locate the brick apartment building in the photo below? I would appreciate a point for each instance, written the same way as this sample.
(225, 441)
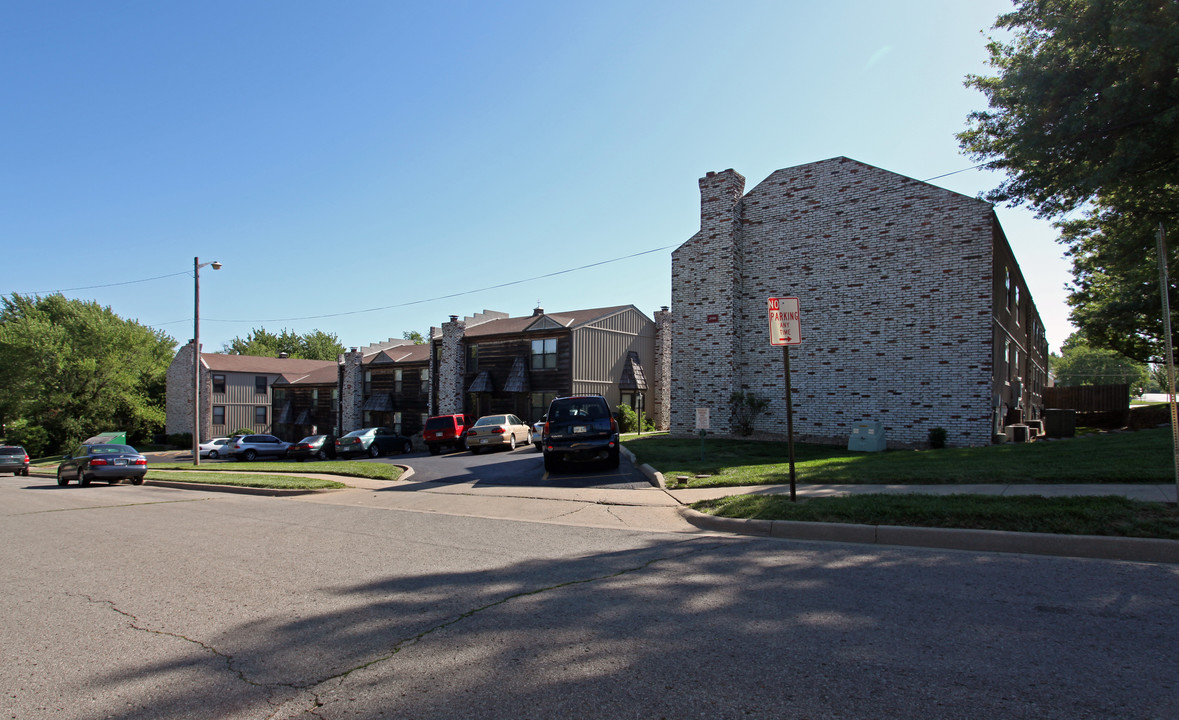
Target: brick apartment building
(914, 311)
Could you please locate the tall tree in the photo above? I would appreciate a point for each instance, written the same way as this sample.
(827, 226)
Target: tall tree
(315, 345)
(1084, 114)
(1079, 363)
(76, 369)
(1085, 102)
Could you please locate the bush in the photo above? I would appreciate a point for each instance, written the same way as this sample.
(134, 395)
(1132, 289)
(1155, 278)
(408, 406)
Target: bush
(181, 440)
(33, 438)
(746, 408)
(937, 437)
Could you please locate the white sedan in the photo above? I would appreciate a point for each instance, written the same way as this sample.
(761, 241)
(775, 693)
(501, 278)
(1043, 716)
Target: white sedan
(498, 431)
(214, 449)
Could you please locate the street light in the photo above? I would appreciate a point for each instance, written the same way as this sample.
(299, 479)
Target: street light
(196, 357)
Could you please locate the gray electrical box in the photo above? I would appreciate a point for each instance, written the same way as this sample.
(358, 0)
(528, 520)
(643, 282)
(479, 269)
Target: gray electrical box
(867, 437)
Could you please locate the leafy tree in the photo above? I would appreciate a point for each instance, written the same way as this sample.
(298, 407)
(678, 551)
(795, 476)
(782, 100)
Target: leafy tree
(1115, 291)
(315, 345)
(1079, 363)
(74, 369)
(1085, 102)
(415, 336)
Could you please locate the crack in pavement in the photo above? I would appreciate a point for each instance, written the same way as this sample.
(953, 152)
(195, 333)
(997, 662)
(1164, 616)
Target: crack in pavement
(106, 507)
(313, 687)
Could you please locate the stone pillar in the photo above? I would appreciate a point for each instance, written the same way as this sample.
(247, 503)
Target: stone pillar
(661, 390)
(705, 278)
(451, 366)
(351, 390)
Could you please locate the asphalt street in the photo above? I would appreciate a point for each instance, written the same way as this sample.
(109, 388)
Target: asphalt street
(152, 602)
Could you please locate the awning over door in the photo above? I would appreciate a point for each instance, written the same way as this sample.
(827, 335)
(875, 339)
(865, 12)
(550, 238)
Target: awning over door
(633, 377)
(482, 383)
(381, 402)
(518, 377)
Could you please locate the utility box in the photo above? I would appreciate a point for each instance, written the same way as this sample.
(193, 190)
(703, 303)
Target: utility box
(1017, 433)
(1060, 422)
(867, 437)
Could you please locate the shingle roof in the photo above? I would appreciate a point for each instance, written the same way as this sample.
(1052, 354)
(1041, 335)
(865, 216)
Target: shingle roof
(270, 365)
(573, 318)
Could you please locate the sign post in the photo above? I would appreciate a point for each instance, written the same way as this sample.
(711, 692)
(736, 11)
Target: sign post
(786, 330)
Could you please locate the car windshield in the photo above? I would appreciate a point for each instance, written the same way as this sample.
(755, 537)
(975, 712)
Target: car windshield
(12, 451)
(111, 449)
(358, 433)
(493, 420)
(438, 423)
(587, 410)
(311, 439)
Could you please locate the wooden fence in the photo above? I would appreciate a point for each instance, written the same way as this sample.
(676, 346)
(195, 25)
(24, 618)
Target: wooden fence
(1088, 398)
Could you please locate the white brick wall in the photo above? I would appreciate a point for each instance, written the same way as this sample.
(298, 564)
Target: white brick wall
(894, 281)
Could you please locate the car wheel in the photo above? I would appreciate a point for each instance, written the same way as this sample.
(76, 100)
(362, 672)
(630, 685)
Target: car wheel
(25, 472)
(322, 455)
(250, 456)
(213, 455)
(434, 449)
(82, 480)
(512, 442)
(406, 447)
(612, 462)
(137, 480)
(61, 479)
(374, 451)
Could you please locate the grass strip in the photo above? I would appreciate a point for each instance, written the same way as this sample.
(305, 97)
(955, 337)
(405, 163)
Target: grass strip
(276, 482)
(348, 468)
(1101, 515)
(1144, 456)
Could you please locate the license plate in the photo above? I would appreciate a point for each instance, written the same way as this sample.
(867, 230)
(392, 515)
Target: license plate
(580, 428)
(438, 434)
(483, 441)
(120, 461)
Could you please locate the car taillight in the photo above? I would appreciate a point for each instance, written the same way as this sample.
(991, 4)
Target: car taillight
(140, 461)
(471, 433)
(498, 431)
(546, 428)
(97, 461)
(26, 458)
(613, 425)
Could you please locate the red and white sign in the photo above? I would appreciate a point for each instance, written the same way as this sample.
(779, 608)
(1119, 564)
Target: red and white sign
(785, 326)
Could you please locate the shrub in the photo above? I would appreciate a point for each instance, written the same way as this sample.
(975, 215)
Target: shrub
(181, 440)
(746, 407)
(937, 437)
(33, 438)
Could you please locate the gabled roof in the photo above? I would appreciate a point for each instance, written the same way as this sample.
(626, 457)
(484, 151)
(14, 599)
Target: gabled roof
(401, 354)
(547, 321)
(327, 375)
(218, 362)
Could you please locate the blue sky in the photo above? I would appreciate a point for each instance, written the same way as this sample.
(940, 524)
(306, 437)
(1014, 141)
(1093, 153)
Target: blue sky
(370, 168)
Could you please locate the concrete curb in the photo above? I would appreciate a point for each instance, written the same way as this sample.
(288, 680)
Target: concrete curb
(653, 476)
(240, 489)
(1085, 546)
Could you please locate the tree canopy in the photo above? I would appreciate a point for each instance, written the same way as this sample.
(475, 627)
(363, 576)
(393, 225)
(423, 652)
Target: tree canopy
(315, 345)
(1079, 363)
(71, 369)
(1084, 103)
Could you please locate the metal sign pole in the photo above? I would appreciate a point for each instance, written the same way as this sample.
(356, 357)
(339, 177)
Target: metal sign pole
(1164, 291)
(789, 421)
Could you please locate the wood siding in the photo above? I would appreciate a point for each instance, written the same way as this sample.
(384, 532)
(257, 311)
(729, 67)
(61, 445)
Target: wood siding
(239, 401)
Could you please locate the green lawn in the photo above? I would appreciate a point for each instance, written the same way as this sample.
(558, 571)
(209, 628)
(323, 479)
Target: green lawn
(1128, 457)
(1063, 515)
(347, 468)
(278, 482)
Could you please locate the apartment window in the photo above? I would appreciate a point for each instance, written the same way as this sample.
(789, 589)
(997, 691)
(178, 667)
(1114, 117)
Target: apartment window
(472, 358)
(397, 377)
(314, 395)
(218, 414)
(218, 383)
(544, 354)
(260, 384)
(1016, 310)
(368, 382)
(424, 386)
(260, 415)
(335, 393)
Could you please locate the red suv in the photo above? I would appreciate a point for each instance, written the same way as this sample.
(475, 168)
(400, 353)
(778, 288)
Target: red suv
(447, 430)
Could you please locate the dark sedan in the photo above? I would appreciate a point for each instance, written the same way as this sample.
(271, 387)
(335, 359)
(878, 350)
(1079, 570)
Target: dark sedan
(102, 462)
(320, 447)
(374, 442)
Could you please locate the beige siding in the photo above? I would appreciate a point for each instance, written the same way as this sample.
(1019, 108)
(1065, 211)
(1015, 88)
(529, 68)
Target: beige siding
(600, 351)
(239, 401)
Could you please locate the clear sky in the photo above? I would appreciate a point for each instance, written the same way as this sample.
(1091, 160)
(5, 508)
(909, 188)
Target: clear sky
(368, 168)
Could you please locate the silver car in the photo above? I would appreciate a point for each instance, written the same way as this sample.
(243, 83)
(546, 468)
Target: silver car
(252, 447)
